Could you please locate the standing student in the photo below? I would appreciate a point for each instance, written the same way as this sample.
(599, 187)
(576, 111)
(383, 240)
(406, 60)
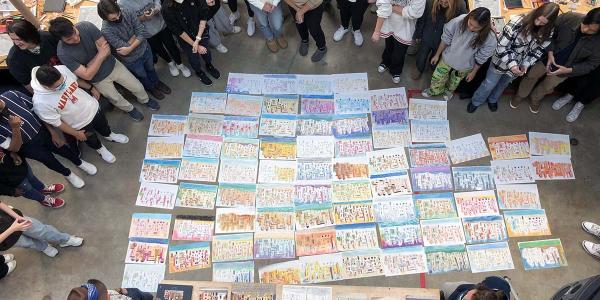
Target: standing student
(467, 43)
(160, 37)
(351, 10)
(396, 22)
(7, 264)
(521, 44)
(581, 90)
(307, 15)
(188, 19)
(235, 14)
(591, 248)
(219, 23)
(270, 22)
(430, 27)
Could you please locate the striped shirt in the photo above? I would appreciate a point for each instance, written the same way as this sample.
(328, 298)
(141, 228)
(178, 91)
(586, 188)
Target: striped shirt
(18, 104)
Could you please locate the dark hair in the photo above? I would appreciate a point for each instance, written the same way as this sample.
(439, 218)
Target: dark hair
(61, 28)
(485, 293)
(450, 10)
(541, 33)
(47, 75)
(107, 7)
(483, 16)
(80, 293)
(592, 17)
(25, 31)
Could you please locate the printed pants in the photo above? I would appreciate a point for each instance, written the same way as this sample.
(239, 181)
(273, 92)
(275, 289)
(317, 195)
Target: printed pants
(445, 79)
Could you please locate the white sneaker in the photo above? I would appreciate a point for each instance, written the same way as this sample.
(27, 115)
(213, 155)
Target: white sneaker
(50, 251)
(591, 228)
(358, 38)
(8, 257)
(12, 265)
(173, 69)
(184, 70)
(233, 17)
(221, 48)
(338, 35)
(74, 241)
(574, 113)
(591, 248)
(562, 101)
(117, 138)
(426, 93)
(88, 168)
(251, 27)
(75, 180)
(237, 29)
(448, 95)
(106, 155)
(381, 68)
(396, 79)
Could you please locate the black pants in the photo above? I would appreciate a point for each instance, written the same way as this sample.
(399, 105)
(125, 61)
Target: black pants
(354, 11)
(3, 267)
(164, 45)
(467, 89)
(584, 89)
(233, 5)
(423, 56)
(194, 58)
(312, 24)
(393, 55)
(100, 125)
(41, 148)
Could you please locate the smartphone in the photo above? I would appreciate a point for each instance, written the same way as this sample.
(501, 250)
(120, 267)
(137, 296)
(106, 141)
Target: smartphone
(553, 68)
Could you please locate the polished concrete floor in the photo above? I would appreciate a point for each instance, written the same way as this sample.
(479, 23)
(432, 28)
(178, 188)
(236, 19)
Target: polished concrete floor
(101, 211)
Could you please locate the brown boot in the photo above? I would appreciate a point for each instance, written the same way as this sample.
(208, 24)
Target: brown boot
(282, 42)
(515, 101)
(272, 45)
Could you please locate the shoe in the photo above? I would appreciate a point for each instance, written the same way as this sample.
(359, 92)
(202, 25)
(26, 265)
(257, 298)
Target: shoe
(574, 113)
(135, 114)
(448, 95)
(251, 27)
(12, 265)
(50, 251)
(471, 108)
(152, 105)
(75, 180)
(591, 228)
(463, 96)
(204, 79)
(493, 106)
(88, 168)
(236, 29)
(53, 188)
(318, 55)
(303, 50)
(173, 69)
(396, 79)
(562, 101)
(161, 86)
(591, 248)
(358, 38)
(221, 48)
(272, 46)
(515, 101)
(74, 241)
(338, 35)
(281, 42)
(184, 70)
(8, 257)
(381, 68)
(106, 155)
(117, 138)
(426, 93)
(233, 17)
(156, 93)
(213, 71)
(416, 75)
(534, 108)
(53, 202)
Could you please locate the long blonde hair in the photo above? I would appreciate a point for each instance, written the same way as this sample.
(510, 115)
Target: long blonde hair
(450, 11)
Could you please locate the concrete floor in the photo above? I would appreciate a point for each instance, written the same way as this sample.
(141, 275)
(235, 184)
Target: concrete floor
(101, 212)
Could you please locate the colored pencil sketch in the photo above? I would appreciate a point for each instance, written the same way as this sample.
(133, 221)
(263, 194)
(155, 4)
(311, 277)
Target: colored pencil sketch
(160, 171)
(389, 117)
(281, 273)
(476, 204)
(443, 259)
(315, 84)
(391, 136)
(236, 195)
(232, 247)
(164, 147)
(356, 237)
(442, 232)
(144, 277)
(552, 167)
(467, 148)
(405, 234)
(192, 228)
(240, 127)
(274, 245)
(151, 226)
(238, 171)
(404, 261)
(276, 171)
(314, 216)
(188, 257)
(392, 184)
(430, 131)
(314, 171)
(234, 220)
(352, 103)
(385, 99)
(244, 83)
(350, 82)
(322, 268)
(314, 125)
(167, 125)
(353, 212)
(518, 196)
(353, 146)
(395, 209)
(486, 229)
(316, 104)
(431, 179)
(204, 124)
(244, 105)
(509, 147)
(157, 195)
(280, 84)
(315, 146)
(363, 263)
(351, 190)
(542, 254)
(549, 144)
(238, 272)
(423, 109)
(490, 257)
(278, 125)
(280, 104)
(278, 148)
(308, 194)
(275, 195)
(354, 125)
(513, 171)
(435, 206)
(526, 222)
(275, 219)
(387, 161)
(240, 148)
(290, 292)
(316, 241)
(146, 251)
(473, 178)
(196, 195)
(208, 103)
(350, 168)
(428, 155)
(202, 146)
(199, 169)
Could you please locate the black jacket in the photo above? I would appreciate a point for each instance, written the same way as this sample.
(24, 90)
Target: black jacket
(430, 33)
(186, 17)
(5, 222)
(11, 175)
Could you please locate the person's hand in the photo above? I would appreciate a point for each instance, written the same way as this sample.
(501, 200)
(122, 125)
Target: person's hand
(19, 192)
(376, 36)
(103, 48)
(434, 60)
(470, 76)
(561, 70)
(121, 291)
(95, 93)
(268, 7)
(18, 225)
(299, 17)
(80, 135)
(202, 49)
(551, 62)
(57, 139)
(516, 70)
(20, 219)
(523, 69)
(16, 158)
(14, 122)
(124, 51)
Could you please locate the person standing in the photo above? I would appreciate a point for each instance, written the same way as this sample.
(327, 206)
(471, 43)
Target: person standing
(581, 90)
(270, 22)
(7, 264)
(351, 10)
(84, 50)
(220, 23)
(591, 248)
(235, 15)
(307, 15)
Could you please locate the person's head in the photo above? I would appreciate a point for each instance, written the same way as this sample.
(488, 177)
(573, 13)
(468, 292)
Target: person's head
(591, 23)
(481, 292)
(50, 78)
(63, 29)
(109, 11)
(478, 21)
(93, 289)
(448, 7)
(24, 34)
(540, 21)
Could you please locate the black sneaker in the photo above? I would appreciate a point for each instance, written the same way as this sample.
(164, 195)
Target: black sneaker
(156, 93)
(204, 78)
(213, 72)
(303, 50)
(161, 86)
(493, 106)
(471, 108)
(318, 55)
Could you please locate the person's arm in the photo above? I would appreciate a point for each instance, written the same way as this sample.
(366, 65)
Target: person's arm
(377, 31)
(292, 4)
(88, 71)
(413, 10)
(534, 55)
(20, 223)
(482, 55)
(16, 141)
(78, 134)
(447, 36)
(436, 57)
(196, 47)
(505, 40)
(9, 211)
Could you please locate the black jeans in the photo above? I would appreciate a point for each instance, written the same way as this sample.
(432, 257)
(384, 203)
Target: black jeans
(164, 46)
(194, 58)
(585, 88)
(233, 6)
(354, 11)
(100, 125)
(3, 267)
(41, 148)
(393, 55)
(312, 24)
(423, 56)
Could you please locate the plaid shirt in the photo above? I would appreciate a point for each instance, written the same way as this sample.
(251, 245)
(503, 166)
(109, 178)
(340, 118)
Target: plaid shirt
(514, 49)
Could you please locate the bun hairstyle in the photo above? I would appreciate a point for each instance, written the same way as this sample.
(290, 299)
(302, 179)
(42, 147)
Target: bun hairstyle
(485, 293)
(541, 33)
(483, 16)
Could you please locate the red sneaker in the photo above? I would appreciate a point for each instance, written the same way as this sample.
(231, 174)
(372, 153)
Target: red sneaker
(53, 202)
(53, 189)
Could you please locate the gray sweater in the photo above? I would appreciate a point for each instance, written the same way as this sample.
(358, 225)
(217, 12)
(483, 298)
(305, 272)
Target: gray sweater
(156, 23)
(459, 54)
(118, 35)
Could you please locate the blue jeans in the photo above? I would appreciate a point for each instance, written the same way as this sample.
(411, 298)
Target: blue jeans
(492, 87)
(269, 23)
(32, 186)
(143, 70)
(39, 235)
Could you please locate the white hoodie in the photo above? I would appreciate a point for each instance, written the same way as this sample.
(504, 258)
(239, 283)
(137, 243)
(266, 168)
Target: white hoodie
(71, 104)
(401, 27)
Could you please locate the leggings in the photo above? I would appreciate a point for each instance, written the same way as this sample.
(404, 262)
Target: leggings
(354, 11)
(233, 6)
(164, 45)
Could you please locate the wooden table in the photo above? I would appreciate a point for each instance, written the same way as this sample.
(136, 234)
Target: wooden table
(582, 7)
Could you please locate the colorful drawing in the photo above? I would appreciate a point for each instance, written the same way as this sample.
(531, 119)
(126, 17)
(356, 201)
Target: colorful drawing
(278, 125)
(203, 124)
(490, 257)
(428, 155)
(235, 220)
(278, 148)
(549, 144)
(467, 148)
(309, 194)
(232, 247)
(167, 125)
(240, 127)
(442, 232)
(350, 168)
(395, 209)
(353, 146)
(274, 245)
(526, 222)
(280, 104)
(389, 117)
(315, 84)
(196, 195)
(157, 195)
(351, 296)
(356, 237)
(210, 293)
(352, 103)
(275, 195)
(346, 126)
(290, 292)
(422, 109)
(280, 84)
(238, 171)
(443, 259)
(316, 105)
(245, 84)
(192, 228)
(236, 195)
(350, 82)
(473, 178)
(281, 273)
(513, 171)
(277, 171)
(199, 169)
(238, 272)
(518, 196)
(486, 229)
(552, 167)
(314, 125)
(351, 190)
(202, 146)
(146, 251)
(431, 179)
(240, 148)
(314, 171)
(208, 103)
(314, 216)
(393, 235)
(353, 212)
(144, 277)
(188, 257)
(542, 254)
(435, 206)
(253, 291)
(174, 292)
(391, 136)
(404, 261)
(151, 226)
(430, 131)
(392, 184)
(164, 147)
(509, 147)
(387, 161)
(275, 219)
(316, 241)
(385, 99)
(363, 263)
(244, 105)
(160, 170)
(316, 146)
(322, 268)
(476, 204)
